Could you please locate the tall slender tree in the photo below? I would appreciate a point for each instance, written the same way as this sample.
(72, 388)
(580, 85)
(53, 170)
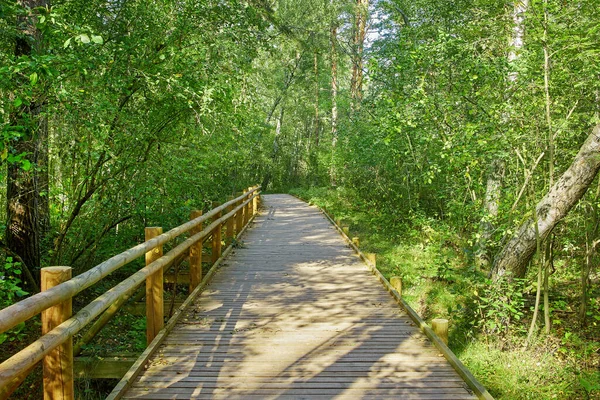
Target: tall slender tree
(27, 181)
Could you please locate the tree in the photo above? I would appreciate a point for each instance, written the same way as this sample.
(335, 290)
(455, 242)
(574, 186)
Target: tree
(552, 208)
(27, 180)
(361, 15)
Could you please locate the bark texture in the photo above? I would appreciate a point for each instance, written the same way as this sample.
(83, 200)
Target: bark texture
(334, 93)
(27, 208)
(514, 258)
(496, 172)
(360, 21)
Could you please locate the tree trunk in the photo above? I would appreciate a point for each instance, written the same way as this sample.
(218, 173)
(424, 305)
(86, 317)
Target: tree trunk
(518, 33)
(491, 206)
(334, 90)
(316, 71)
(27, 210)
(496, 172)
(514, 258)
(360, 18)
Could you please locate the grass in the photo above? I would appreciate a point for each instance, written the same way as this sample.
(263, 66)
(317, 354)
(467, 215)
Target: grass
(488, 322)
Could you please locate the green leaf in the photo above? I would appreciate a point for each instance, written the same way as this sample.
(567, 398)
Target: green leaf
(26, 165)
(84, 38)
(67, 43)
(18, 101)
(33, 78)
(97, 39)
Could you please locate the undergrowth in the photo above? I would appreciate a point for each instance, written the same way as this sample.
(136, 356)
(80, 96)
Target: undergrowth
(488, 322)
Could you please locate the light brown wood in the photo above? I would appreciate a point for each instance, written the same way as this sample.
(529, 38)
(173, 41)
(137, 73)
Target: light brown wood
(216, 236)
(294, 314)
(58, 364)
(396, 283)
(229, 226)
(154, 289)
(239, 216)
(372, 258)
(195, 276)
(440, 327)
(141, 363)
(14, 367)
(246, 209)
(250, 205)
(102, 321)
(255, 203)
(27, 308)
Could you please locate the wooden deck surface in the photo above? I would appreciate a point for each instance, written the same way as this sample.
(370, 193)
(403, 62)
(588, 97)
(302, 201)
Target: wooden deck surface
(295, 314)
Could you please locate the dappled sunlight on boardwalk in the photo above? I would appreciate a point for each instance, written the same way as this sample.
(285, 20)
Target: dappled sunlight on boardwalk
(295, 314)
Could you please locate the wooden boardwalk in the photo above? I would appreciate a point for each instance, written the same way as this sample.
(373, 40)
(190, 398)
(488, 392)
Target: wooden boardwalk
(295, 314)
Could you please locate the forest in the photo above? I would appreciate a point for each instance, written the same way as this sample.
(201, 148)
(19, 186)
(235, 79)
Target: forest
(460, 140)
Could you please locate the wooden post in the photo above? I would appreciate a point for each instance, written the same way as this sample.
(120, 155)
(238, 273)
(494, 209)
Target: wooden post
(249, 205)
(355, 241)
(195, 254)
(440, 327)
(372, 258)
(239, 216)
(58, 364)
(216, 236)
(229, 229)
(255, 205)
(396, 283)
(245, 208)
(154, 289)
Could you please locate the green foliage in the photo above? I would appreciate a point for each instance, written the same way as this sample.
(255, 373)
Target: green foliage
(499, 308)
(10, 292)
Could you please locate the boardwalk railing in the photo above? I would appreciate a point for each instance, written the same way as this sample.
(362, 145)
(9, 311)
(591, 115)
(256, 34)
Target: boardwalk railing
(55, 346)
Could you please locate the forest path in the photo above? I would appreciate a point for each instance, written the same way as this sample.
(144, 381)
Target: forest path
(294, 313)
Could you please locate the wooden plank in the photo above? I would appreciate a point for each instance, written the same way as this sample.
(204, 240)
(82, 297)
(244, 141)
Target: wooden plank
(473, 383)
(435, 393)
(294, 314)
(350, 396)
(127, 380)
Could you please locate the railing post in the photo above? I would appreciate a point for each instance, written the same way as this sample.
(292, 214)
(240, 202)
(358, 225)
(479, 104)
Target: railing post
(396, 283)
(255, 205)
(154, 289)
(195, 254)
(239, 216)
(249, 205)
(440, 327)
(229, 232)
(372, 258)
(216, 236)
(58, 364)
(245, 208)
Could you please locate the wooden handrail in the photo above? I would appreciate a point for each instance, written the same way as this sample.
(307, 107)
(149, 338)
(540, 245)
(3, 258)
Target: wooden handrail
(12, 370)
(31, 306)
